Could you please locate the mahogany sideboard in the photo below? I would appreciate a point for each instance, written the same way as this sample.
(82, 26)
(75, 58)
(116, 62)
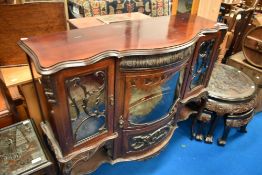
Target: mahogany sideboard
(113, 93)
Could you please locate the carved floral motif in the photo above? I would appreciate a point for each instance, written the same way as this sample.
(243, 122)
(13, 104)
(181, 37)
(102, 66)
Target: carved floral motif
(138, 143)
(199, 69)
(86, 105)
(49, 89)
(227, 83)
(156, 61)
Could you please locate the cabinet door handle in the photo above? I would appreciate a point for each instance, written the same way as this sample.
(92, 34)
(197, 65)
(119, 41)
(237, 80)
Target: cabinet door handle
(111, 100)
(121, 122)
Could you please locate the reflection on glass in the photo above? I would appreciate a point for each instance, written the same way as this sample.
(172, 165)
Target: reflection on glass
(86, 99)
(184, 6)
(202, 63)
(154, 102)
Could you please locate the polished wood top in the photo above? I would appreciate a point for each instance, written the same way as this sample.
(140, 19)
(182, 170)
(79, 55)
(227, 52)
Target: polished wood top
(80, 23)
(80, 47)
(230, 84)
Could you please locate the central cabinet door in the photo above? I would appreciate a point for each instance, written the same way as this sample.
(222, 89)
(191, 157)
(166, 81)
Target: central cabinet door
(148, 102)
(150, 96)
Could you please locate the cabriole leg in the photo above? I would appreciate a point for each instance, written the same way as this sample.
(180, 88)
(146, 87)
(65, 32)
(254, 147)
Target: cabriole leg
(213, 124)
(223, 139)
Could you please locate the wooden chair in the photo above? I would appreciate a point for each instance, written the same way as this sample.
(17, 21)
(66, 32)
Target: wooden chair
(237, 22)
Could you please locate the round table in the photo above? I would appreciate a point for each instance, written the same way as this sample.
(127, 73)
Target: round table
(231, 95)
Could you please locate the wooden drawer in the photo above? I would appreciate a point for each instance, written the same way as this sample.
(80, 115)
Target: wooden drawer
(142, 140)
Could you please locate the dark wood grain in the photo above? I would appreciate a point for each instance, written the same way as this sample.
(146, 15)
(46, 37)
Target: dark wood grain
(75, 45)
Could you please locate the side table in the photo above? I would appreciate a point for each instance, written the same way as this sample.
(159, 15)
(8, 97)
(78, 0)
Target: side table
(21, 151)
(231, 96)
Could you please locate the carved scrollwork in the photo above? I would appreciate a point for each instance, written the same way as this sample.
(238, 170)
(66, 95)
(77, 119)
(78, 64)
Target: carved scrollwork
(230, 108)
(199, 69)
(67, 163)
(202, 95)
(156, 61)
(240, 119)
(229, 84)
(85, 103)
(138, 143)
(150, 81)
(68, 166)
(238, 123)
(49, 89)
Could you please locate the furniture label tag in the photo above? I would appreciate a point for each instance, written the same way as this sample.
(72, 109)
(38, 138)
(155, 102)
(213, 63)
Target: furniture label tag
(36, 160)
(25, 122)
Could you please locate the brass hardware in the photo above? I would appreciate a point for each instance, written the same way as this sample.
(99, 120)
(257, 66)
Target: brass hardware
(111, 100)
(39, 81)
(47, 93)
(121, 122)
(53, 101)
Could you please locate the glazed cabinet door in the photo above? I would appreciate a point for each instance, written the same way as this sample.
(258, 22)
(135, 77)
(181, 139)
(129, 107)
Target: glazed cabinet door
(202, 64)
(149, 103)
(83, 111)
(151, 96)
(149, 90)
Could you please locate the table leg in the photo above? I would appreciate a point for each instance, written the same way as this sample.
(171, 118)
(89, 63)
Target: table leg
(223, 139)
(243, 129)
(213, 124)
(199, 135)
(193, 134)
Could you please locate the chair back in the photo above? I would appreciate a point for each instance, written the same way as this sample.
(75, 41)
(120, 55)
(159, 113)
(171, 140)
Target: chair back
(238, 25)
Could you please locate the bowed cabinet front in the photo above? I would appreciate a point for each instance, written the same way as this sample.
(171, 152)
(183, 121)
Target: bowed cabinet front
(120, 100)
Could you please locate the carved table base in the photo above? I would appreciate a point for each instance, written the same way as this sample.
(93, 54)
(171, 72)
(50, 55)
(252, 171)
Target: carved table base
(231, 96)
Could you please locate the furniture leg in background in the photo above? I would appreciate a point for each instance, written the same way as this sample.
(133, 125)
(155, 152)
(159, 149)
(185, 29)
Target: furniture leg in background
(24, 83)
